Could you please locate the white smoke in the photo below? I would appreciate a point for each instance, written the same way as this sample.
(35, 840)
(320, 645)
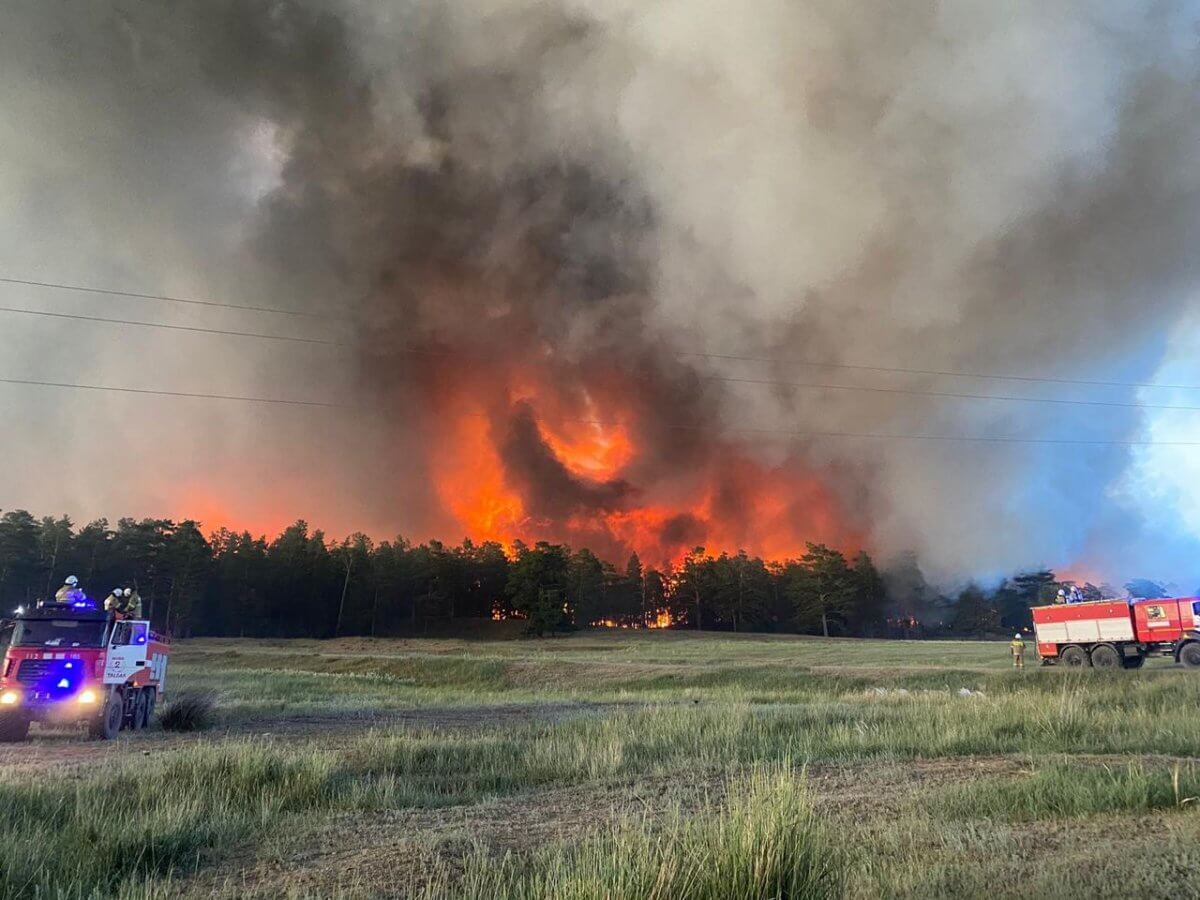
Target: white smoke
(973, 186)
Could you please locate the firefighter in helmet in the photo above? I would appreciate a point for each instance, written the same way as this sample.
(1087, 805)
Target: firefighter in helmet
(131, 603)
(112, 603)
(1062, 596)
(1017, 646)
(69, 592)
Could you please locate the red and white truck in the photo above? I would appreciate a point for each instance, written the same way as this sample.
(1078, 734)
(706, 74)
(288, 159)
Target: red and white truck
(73, 663)
(1113, 633)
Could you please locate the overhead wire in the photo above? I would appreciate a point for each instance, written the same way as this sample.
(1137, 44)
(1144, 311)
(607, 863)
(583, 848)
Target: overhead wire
(669, 426)
(944, 373)
(719, 378)
(951, 394)
(191, 328)
(168, 299)
(914, 392)
(160, 393)
(899, 370)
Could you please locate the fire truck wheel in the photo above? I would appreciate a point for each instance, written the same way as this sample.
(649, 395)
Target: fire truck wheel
(137, 718)
(13, 729)
(151, 702)
(1106, 657)
(1134, 662)
(1074, 657)
(144, 696)
(108, 725)
(1190, 655)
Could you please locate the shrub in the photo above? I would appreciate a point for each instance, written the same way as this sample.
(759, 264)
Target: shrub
(188, 712)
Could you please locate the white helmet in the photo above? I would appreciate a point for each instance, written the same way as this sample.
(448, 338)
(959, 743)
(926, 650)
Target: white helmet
(1061, 592)
(72, 580)
(1016, 637)
(128, 592)
(116, 592)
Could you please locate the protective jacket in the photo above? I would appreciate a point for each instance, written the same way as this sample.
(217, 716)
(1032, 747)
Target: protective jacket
(68, 594)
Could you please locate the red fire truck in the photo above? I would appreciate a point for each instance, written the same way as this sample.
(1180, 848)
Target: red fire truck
(74, 663)
(1111, 633)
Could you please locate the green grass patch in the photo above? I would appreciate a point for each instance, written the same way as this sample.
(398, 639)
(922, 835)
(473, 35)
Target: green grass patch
(1065, 789)
(728, 704)
(153, 817)
(766, 843)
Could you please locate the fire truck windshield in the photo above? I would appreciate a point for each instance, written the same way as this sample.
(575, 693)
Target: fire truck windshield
(58, 633)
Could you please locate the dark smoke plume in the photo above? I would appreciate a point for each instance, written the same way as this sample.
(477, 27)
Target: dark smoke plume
(530, 215)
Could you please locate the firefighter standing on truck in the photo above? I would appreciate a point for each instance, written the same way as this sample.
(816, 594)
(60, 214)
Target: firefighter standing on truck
(131, 603)
(125, 601)
(69, 592)
(1018, 651)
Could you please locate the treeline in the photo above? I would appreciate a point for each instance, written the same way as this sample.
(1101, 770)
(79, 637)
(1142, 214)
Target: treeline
(302, 584)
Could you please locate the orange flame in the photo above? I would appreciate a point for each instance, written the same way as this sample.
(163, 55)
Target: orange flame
(728, 503)
(643, 487)
(662, 619)
(470, 482)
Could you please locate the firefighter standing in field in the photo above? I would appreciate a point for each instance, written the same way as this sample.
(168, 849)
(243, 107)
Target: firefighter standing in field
(1018, 651)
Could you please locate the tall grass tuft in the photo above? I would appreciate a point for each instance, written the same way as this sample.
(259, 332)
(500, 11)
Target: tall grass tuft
(766, 843)
(188, 712)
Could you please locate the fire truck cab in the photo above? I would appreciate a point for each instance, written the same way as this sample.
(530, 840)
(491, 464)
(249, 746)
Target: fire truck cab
(1119, 633)
(74, 663)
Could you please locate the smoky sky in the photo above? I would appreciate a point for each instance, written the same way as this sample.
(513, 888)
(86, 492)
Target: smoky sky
(566, 202)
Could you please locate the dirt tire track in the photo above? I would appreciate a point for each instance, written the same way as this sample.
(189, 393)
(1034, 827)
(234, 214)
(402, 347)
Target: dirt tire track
(63, 748)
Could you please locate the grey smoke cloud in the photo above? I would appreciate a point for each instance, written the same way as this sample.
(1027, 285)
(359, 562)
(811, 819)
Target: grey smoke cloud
(587, 187)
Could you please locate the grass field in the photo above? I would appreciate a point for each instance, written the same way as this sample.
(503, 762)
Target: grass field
(623, 765)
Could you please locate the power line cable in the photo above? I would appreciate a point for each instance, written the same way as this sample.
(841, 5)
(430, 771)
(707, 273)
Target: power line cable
(124, 390)
(190, 328)
(952, 394)
(168, 299)
(690, 428)
(914, 392)
(896, 370)
(436, 351)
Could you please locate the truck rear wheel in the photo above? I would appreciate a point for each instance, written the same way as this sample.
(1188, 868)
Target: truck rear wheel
(1189, 655)
(108, 725)
(1134, 662)
(1105, 656)
(151, 702)
(13, 728)
(1074, 657)
(137, 711)
(141, 711)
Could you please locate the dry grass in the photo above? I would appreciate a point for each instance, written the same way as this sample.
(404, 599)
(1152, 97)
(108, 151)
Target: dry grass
(651, 732)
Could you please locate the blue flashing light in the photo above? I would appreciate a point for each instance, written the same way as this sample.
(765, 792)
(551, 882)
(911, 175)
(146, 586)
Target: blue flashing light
(63, 680)
(141, 639)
